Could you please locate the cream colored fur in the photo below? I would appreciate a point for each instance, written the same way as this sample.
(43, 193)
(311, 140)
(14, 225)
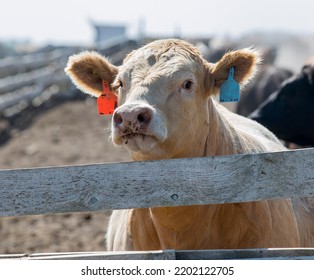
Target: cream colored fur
(190, 123)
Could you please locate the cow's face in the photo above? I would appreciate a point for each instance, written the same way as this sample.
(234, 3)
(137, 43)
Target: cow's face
(163, 92)
(162, 102)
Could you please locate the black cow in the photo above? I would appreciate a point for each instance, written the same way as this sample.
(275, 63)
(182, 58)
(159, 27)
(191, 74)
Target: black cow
(289, 111)
(266, 82)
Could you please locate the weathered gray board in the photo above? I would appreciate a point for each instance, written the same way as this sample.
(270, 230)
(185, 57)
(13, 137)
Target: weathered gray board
(225, 179)
(283, 254)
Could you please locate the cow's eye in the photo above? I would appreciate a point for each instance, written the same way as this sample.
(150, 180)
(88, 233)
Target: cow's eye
(118, 84)
(187, 85)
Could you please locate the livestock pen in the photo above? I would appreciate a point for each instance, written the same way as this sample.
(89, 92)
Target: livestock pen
(176, 182)
(32, 79)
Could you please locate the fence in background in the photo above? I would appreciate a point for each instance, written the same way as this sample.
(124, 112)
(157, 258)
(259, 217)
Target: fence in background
(34, 78)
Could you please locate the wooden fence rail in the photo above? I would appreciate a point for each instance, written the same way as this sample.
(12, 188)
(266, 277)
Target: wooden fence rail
(207, 180)
(225, 179)
(24, 78)
(252, 254)
(11, 66)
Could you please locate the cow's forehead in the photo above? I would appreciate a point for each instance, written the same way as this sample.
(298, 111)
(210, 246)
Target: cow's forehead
(163, 59)
(163, 47)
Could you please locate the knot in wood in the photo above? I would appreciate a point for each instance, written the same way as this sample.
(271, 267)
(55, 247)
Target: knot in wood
(93, 200)
(174, 197)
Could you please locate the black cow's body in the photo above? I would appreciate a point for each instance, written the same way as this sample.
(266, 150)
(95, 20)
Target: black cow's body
(289, 111)
(267, 81)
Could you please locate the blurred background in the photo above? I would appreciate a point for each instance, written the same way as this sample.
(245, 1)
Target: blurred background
(45, 121)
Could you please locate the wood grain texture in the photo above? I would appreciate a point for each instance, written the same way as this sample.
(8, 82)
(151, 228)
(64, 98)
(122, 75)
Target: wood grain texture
(134, 255)
(295, 253)
(272, 254)
(207, 180)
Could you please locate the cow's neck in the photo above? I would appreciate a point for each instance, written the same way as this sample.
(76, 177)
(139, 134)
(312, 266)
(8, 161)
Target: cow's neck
(167, 227)
(223, 139)
(217, 226)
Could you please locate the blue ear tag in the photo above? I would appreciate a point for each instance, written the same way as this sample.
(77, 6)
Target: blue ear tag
(230, 89)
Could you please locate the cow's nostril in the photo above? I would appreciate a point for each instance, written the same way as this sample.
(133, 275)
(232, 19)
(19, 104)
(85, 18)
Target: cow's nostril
(141, 118)
(117, 119)
(144, 117)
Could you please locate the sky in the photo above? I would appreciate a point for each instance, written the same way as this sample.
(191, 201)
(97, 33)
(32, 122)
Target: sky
(68, 21)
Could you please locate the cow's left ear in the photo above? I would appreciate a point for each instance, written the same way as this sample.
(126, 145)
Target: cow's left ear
(87, 70)
(245, 63)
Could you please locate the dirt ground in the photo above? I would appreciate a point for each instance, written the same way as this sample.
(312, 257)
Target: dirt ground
(69, 134)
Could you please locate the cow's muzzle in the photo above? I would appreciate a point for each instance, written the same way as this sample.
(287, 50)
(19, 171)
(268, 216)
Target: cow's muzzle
(138, 126)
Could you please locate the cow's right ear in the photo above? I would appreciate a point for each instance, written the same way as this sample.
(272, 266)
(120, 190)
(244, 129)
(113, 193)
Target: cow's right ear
(245, 63)
(87, 70)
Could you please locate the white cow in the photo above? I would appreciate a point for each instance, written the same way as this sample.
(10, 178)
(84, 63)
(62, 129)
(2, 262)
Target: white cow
(167, 109)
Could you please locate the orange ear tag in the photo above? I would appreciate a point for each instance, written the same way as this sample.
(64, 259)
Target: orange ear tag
(107, 101)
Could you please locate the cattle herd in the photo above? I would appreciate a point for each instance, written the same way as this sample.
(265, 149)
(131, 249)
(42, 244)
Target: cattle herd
(166, 108)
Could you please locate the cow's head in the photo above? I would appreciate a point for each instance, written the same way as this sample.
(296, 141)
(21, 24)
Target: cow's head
(163, 92)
